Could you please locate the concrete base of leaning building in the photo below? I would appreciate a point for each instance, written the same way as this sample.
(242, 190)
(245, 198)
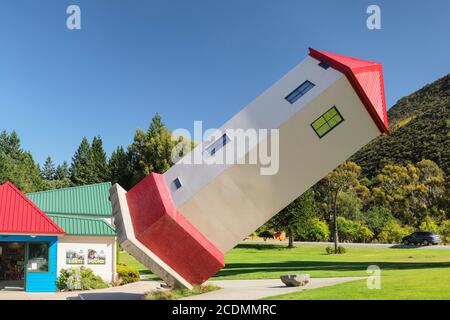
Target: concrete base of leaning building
(128, 241)
(152, 230)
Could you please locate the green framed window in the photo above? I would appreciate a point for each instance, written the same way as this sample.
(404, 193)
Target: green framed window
(326, 122)
(38, 256)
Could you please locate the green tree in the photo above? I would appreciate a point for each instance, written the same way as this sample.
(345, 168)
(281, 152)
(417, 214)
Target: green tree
(291, 218)
(342, 179)
(99, 162)
(62, 171)
(119, 168)
(48, 171)
(429, 224)
(393, 232)
(376, 218)
(82, 169)
(151, 150)
(17, 165)
(314, 230)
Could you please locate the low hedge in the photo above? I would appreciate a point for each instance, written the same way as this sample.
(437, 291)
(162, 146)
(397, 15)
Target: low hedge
(127, 274)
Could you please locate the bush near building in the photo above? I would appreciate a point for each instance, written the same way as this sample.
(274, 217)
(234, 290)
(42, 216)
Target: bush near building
(127, 274)
(79, 279)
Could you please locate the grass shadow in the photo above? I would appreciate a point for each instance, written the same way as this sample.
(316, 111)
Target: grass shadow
(233, 269)
(261, 246)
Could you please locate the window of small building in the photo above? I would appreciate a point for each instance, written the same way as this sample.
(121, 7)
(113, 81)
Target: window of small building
(300, 91)
(326, 122)
(38, 256)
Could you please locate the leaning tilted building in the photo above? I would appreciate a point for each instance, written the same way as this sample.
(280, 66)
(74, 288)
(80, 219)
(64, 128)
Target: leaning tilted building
(180, 223)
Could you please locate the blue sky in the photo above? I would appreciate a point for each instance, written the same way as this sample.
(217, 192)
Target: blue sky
(188, 60)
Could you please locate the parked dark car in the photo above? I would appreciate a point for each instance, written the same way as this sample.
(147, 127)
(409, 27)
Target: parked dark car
(423, 238)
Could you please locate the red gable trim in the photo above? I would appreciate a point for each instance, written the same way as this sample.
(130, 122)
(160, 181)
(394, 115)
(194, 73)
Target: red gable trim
(351, 67)
(18, 215)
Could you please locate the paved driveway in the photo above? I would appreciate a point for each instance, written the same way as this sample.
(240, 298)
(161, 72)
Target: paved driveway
(132, 291)
(257, 289)
(231, 290)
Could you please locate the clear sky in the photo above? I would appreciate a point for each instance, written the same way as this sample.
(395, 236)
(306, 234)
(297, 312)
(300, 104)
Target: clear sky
(188, 60)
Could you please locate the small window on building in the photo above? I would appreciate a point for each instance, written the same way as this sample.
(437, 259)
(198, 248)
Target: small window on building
(326, 122)
(38, 257)
(324, 65)
(217, 145)
(177, 183)
(300, 91)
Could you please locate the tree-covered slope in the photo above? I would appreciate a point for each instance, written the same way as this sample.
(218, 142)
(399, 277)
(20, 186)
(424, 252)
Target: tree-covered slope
(419, 129)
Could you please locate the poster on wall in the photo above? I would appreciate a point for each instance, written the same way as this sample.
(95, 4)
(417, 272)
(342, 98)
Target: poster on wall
(74, 256)
(96, 256)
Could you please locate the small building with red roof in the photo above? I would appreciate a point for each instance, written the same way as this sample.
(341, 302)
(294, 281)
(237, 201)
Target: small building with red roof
(28, 243)
(44, 232)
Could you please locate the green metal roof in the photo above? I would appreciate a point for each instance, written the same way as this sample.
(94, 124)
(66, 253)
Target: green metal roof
(90, 200)
(83, 226)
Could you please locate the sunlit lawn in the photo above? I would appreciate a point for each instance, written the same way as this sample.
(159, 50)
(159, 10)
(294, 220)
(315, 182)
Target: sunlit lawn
(426, 283)
(412, 273)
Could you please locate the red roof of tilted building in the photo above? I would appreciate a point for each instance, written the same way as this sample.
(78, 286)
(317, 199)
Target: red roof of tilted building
(18, 215)
(366, 77)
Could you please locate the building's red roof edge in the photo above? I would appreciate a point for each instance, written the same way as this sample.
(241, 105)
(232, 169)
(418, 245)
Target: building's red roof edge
(58, 230)
(382, 124)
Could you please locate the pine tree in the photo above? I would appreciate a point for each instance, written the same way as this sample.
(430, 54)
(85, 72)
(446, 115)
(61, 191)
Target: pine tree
(82, 169)
(294, 216)
(18, 166)
(62, 171)
(48, 170)
(99, 162)
(151, 151)
(118, 168)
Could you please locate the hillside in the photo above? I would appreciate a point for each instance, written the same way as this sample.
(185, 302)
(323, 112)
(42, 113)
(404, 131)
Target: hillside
(419, 129)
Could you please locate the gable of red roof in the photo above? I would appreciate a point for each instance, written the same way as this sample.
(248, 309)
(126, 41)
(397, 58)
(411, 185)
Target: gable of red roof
(366, 77)
(18, 215)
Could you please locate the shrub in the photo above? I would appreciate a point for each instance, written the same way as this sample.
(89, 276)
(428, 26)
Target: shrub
(376, 218)
(363, 233)
(347, 229)
(393, 232)
(179, 293)
(429, 224)
(127, 274)
(61, 280)
(91, 281)
(444, 231)
(253, 234)
(340, 250)
(79, 279)
(315, 230)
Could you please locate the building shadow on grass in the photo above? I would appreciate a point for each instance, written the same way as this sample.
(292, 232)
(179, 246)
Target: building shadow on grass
(232, 269)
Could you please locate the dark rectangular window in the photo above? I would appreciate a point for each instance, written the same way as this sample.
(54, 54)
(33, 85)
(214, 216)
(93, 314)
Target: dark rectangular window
(38, 257)
(177, 183)
(217, 145)
(300, 91)
(326, 122)
(324, 65)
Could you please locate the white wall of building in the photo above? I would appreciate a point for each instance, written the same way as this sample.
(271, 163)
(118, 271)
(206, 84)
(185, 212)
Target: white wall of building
(268, 111)
(108, 244)
(239, 199)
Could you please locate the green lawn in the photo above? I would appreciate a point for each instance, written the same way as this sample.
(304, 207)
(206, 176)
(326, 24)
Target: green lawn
(406, 273)
(125, 258)
(421, 284)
